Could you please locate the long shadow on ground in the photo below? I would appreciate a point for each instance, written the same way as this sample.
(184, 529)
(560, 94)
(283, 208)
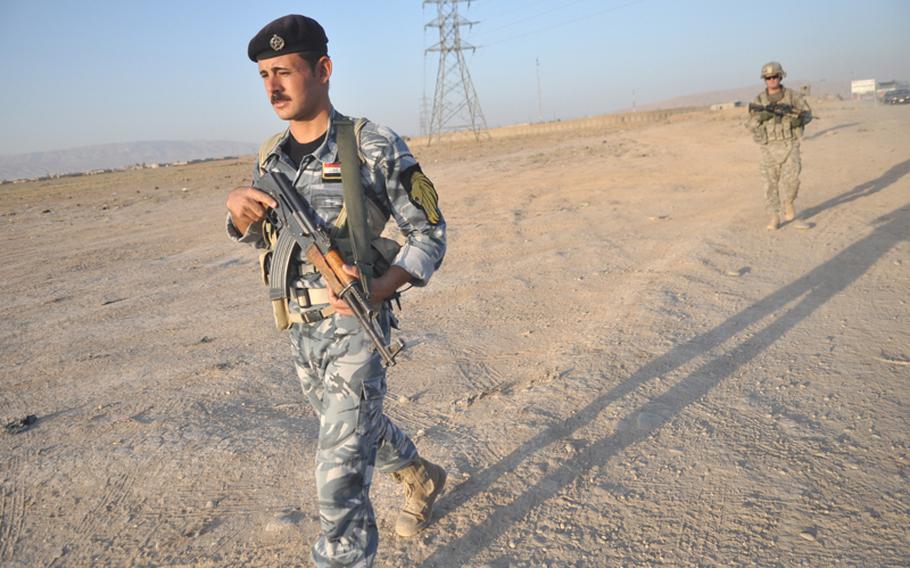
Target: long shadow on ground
(821, 133)
(862, 190)
(809, 292)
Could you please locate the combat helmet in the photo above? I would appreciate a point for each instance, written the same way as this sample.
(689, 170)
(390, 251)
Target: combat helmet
(772, 68)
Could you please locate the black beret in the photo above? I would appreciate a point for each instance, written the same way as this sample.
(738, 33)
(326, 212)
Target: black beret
(289, 34)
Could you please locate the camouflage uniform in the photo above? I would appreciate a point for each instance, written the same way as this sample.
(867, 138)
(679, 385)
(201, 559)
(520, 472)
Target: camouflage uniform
(779, 140)
(340, 374)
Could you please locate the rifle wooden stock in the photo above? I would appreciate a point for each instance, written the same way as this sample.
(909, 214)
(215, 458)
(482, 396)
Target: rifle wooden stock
(331, 267)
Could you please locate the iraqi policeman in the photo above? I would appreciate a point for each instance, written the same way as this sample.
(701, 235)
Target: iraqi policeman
(341, 375)
(777, 118)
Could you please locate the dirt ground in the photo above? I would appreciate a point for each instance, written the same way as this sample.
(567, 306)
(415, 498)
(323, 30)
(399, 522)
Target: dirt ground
(617, 363)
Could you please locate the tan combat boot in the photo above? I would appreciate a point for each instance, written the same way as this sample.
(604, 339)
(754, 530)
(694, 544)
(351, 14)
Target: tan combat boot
(423, 483)
(789, 212)
(774, 223)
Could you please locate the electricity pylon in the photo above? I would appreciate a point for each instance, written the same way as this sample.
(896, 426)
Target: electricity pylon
(455, 103)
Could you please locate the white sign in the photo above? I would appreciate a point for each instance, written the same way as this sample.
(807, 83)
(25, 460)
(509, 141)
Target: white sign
(862, 87)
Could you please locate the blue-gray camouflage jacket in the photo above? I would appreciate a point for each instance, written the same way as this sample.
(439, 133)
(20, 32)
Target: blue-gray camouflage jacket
(392, 181)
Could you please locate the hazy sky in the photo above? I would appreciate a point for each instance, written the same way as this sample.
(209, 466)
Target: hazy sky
(91, 72)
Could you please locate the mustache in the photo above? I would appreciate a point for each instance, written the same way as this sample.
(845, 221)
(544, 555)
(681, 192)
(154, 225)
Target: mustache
(276, 97)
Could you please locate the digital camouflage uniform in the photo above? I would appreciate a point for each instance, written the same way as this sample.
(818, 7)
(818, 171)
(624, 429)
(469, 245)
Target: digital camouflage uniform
(340, 374)
(779, 139)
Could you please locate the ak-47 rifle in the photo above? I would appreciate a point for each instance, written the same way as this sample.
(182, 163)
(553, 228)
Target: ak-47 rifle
(295, 215)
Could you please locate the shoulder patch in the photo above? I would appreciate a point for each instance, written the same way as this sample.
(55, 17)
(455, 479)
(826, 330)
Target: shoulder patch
(421, 193)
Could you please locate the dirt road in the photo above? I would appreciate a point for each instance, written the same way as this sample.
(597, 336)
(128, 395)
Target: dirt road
(618, 363)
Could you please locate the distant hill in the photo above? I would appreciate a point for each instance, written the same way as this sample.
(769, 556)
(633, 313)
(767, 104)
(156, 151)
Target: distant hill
(113, 156)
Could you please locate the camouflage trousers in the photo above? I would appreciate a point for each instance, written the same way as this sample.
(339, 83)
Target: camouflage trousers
(780, 167)
(345, 383)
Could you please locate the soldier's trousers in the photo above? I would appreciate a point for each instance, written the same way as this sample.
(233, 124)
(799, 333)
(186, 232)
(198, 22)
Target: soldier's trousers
(345, 383)
(780, 167)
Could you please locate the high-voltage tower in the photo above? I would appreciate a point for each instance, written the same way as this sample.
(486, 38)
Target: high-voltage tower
(455, 104)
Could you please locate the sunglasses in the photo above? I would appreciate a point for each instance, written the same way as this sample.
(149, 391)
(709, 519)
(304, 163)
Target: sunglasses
(772, 77)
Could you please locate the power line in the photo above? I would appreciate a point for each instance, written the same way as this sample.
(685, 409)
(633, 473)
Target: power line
(549, 10)
(511, 11)
(564, 23)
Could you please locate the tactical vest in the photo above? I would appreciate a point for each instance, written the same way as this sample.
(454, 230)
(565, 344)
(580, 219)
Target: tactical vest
(779, 129)
(358, 216)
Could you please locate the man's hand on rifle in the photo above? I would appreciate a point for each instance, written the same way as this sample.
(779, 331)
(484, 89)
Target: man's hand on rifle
(248, 205)
(381, 288)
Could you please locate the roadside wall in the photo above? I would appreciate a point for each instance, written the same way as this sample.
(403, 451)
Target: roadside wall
(596, 122)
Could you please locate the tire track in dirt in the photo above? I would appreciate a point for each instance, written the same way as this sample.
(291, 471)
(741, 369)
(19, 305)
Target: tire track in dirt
(409, 417)
(475, 372)
(117, 488)
(12, 515)
(122, 520)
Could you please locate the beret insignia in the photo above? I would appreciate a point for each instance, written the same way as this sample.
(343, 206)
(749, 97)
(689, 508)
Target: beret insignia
(277, 42)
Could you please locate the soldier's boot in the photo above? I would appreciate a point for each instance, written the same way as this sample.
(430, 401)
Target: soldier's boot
(423, 482)
(774, 222)
(789, 212)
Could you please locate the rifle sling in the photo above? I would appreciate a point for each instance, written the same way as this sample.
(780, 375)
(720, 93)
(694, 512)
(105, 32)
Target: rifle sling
(353, 198)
